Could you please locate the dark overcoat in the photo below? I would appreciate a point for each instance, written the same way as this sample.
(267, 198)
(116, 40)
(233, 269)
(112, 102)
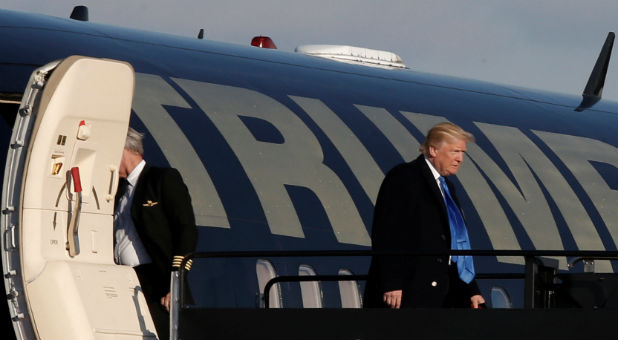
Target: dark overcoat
(410, 214)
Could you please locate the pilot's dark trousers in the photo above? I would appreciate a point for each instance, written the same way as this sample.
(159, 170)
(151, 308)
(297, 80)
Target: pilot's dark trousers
(160, 316)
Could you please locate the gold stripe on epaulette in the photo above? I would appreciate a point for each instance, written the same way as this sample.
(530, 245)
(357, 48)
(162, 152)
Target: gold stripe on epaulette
(178, 260)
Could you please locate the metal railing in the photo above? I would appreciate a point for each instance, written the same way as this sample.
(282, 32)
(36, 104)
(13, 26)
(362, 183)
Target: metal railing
(531, 257)
(304, 278)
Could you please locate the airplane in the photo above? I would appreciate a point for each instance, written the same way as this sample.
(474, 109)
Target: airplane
(283, 154)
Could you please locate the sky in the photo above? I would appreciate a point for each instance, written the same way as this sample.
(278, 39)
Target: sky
(541, 44)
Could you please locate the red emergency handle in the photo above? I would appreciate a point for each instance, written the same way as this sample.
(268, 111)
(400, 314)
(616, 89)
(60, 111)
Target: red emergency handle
(77, 183)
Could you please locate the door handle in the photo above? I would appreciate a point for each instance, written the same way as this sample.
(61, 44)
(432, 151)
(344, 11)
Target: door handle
(73, 228)
(113, 183)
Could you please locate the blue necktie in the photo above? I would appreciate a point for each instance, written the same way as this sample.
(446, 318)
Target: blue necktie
(459, 235)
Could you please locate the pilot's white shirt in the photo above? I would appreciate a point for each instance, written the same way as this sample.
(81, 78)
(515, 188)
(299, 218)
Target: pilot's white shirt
(128, 248)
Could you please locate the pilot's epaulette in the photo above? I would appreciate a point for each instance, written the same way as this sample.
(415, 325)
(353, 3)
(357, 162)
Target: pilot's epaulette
(178, 260)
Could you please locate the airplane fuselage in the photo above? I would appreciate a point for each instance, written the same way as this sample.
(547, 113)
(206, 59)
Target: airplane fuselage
(282, 151)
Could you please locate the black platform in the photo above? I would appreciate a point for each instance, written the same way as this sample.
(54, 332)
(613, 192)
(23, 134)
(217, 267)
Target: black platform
(570, 323)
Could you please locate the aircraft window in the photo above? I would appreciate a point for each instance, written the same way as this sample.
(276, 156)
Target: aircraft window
(265, 272)
(500, 298)
(310, 290)
(350, 296)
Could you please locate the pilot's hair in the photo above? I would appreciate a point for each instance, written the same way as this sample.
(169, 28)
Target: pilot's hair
(441, 133)
(134, 141)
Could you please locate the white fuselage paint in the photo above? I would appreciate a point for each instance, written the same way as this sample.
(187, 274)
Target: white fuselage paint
(270, 166)
(355, 154)
(299, 161)
(405, 144)
(151, 93)
(576, 153)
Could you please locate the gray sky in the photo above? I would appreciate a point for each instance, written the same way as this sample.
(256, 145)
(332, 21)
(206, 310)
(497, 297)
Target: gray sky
(543, 44)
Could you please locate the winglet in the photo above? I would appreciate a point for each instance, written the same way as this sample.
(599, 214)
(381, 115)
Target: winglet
(594, 88)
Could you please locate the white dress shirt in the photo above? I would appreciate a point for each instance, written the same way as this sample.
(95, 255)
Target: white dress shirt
(436, 176)
(128, 248)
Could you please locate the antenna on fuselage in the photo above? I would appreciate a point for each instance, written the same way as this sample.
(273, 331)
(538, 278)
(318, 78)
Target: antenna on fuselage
(594, 88)
(80, 13)
(200, 35)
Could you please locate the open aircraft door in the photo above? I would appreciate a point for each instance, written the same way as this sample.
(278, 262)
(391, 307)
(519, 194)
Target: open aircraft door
(57, 206)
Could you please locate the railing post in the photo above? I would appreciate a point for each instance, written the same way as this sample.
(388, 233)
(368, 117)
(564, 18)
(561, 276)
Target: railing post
(540, 273)
(174, 304)
(530, 272)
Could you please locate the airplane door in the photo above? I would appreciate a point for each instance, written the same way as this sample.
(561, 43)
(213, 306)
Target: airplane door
(58, 202)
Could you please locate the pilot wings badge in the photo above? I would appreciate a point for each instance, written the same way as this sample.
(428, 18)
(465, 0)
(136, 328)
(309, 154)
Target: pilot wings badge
(150, 203)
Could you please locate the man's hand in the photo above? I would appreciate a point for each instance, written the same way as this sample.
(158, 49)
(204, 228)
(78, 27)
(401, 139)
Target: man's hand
(165, 301)
(393, 298)
(476, 300)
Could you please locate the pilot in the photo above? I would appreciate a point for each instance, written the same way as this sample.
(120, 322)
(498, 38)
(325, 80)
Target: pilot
(417, 210)
(154, 226)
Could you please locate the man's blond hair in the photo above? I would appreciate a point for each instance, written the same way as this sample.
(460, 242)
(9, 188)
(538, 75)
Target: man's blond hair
(441, 133)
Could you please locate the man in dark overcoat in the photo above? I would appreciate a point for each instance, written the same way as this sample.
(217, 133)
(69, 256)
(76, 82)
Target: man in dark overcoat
(413, 213)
